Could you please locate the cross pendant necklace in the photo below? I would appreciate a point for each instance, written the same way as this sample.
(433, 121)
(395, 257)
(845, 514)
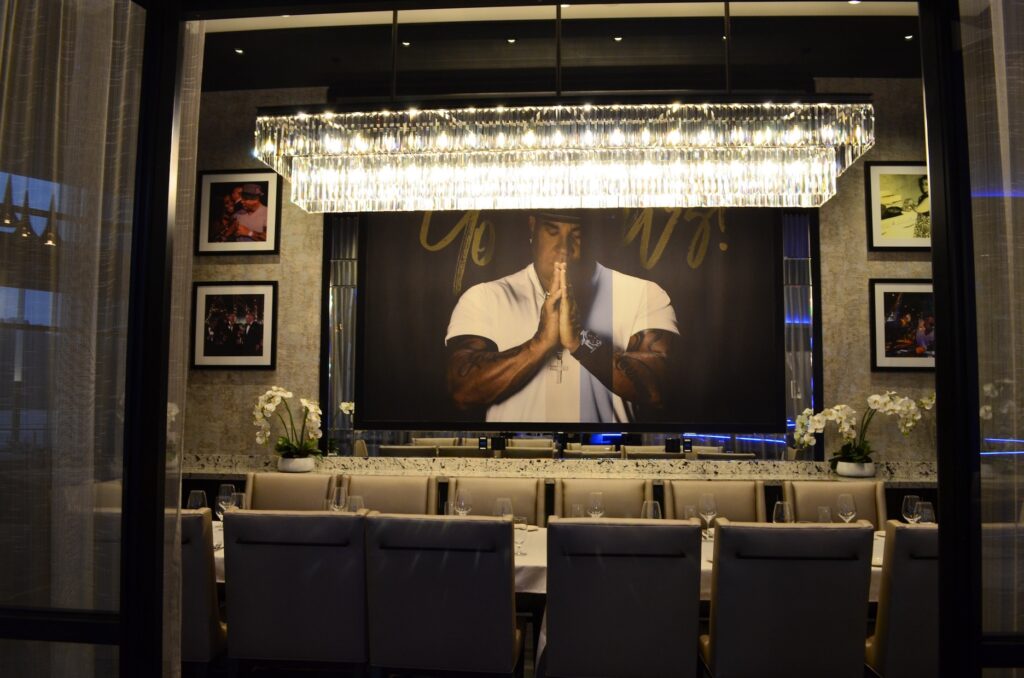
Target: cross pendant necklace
(558, 365)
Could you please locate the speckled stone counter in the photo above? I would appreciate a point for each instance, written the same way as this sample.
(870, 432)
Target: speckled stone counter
(894, 473)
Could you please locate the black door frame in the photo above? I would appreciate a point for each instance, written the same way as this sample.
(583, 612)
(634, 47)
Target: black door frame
(139, 626)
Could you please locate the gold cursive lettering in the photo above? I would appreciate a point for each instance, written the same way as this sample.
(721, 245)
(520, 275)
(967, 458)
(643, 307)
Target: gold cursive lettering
(699, 243)
(643, 225)
(477, 241)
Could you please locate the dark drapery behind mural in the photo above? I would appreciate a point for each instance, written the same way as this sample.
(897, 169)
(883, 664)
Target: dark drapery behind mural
(680, 312)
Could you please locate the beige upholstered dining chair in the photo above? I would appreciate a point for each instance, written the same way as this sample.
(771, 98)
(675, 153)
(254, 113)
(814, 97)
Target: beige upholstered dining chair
(805, 496)
(394, 494)
(530, 442)
(527, 453)
(737, 500)
(288, 574)
(638, 582)
(406, 451)
(622, 497)
(631, 450)
(610, 453)
(809, 581)
(724, 456)
(906, 639)
(203, 634)
(287, 491)
(441, 594)
(465, 452)
(436, 442)
(527, 495)
(707, 449)
(593, 448)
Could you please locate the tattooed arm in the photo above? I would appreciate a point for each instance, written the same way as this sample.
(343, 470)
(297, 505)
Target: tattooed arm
(480, 375)
(640, 374)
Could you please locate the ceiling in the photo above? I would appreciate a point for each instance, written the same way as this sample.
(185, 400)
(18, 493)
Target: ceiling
(679, 46)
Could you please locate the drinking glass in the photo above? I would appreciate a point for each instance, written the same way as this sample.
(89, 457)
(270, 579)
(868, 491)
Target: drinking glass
(926, 511)
(847, 507)
(783, 512)
(519, 523)
(338, 500)
(911, 512)
(196, 499)
(355, 503)
(224, 499)
(463, 503)
(576, 511)
(503, 506)
(824, 514)
(595, 507)
(708, 510)
(689, 511)
(650, 510)
(238, 500)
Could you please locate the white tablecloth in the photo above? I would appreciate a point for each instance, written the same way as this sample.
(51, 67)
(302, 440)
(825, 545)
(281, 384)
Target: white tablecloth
(532, 568)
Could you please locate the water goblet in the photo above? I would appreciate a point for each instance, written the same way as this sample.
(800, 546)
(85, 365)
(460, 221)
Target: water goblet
(224, 499)
(910, 510)
(595, 507)
(708, 511)
(463, 503)
(196, 499)
(847, 507)
(926, 511)
(238, 501)
(519, 525)
(824, 514)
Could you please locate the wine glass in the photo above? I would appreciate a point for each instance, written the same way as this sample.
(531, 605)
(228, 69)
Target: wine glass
(911, 512)
(224, 499)
(355, 503)
(595, 507)
(824, 514)
(708, 510)
(576, 511)
(503, 507)
(650, 510)
(783, 512)
(847, 507)
(926, 511)
(338, 500)
(196, 499)
(463, 503)
(519, 524)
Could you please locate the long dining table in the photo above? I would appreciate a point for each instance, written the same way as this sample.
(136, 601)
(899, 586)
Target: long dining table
(532, 565)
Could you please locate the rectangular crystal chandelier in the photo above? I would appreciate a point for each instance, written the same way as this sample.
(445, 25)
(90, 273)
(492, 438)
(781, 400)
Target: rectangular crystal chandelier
(545, 157)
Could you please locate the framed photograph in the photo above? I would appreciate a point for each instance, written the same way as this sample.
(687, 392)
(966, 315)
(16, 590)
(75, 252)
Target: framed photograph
(238, 212)
(898, 206)
(902, 325)
(234, 325)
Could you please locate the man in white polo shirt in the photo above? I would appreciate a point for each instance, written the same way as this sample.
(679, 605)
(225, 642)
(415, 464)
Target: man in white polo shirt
(564, 339)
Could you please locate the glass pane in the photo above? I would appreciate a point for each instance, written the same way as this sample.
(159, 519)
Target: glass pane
(64, 660)
(66, 176)
(993, 44)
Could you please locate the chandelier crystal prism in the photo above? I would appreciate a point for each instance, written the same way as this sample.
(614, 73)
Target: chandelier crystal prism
(545, 157)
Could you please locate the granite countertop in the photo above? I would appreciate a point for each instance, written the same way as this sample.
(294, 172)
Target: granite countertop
(894, 473)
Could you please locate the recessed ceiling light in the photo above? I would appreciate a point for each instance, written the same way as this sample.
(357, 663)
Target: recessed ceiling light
(511, 41)
(405, 43)
(239, 51)
(908, 37)
(617, 38)
(853, 2)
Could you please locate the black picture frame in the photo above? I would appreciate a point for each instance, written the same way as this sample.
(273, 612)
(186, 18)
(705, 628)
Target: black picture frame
(887, 191)
(892, 326)
(213, 187)
(219, 354)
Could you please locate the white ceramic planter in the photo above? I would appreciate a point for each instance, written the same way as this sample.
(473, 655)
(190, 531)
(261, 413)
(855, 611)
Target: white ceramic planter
(849, 469)
(303, 465)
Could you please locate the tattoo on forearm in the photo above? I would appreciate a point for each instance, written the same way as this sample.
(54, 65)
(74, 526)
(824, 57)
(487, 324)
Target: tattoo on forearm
(476, 360)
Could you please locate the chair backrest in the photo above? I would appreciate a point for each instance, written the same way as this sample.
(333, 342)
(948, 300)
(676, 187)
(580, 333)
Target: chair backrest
(394, 494)
(661, 455)
(287, 491)
(593, 454)
(202, 638)
(441, 593)
(528, 453)
(737, 500)
(406, 451)
(638, 582)
(288, 576)
(707, 449)
(806, 496)
(527, 495)
(811, 581)
(622, 497)
(465, 451)
(644, 449)
(725, 456)
(530, 442)
(436, 442)
(906, 641)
